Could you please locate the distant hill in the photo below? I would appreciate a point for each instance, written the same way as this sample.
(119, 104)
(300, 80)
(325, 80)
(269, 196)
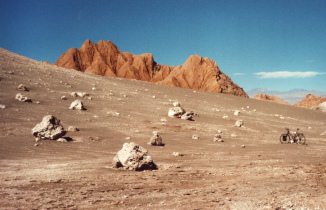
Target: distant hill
(291, 96)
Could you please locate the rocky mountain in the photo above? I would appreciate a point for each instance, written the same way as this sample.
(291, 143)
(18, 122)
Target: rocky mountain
(270, 98)
(104, 58)
(310, 101)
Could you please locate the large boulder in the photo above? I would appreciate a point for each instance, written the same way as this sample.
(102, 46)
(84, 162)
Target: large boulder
(133, 157)
(49, 128)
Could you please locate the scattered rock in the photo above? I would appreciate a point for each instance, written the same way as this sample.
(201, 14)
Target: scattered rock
(63, 98)
(236, 112)
(37, 102)
(49, 128)
(177, 154)
(243, 146)
(133, 157)
(114, 114)
(2, 106)
(77, 104)
(22, 87)
(239, 123)
(176, 104)
(176, 111)
(79, 94)
(128, 138)
(156, 140)
(233, 135)
(195, 137)
(218, 138)
(62, 140)
(323, 133)
(225, 117)
(93, 88)
(188, 116)
(73, 129)
(36, 145)
(219, 131)
(153, 97)
(22, 98)
(163, 120)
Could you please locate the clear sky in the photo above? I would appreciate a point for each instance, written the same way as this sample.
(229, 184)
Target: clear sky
(274, 44)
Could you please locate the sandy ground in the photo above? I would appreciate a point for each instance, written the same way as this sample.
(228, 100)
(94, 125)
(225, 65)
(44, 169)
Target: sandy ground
(79, 174)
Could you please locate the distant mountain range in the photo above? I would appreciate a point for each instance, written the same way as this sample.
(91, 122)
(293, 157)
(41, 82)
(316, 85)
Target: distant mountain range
(291, 96)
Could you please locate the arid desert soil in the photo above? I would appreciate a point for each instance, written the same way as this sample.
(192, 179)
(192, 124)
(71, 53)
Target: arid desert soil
(249, 170)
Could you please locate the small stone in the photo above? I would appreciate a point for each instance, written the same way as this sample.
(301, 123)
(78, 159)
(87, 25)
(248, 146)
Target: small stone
(2, 106)
(22, 87)
(243, 146)
(153, 97)
(218, 138)
(239, 123)
(20, 97)
(37, 102)
(233, 135)
(156, 139)
(188, 116)
(73, 129)
(177, 154)
(176, 104)
(93, 88)
(128, 138)
(195, 137)
(219, 131)
(236, 112)
(36, 145)
(77, 104)
(225, 117)
(63, 98)
(90, 98)
(62, 140)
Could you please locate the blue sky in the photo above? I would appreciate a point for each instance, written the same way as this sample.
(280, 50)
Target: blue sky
(274, 44)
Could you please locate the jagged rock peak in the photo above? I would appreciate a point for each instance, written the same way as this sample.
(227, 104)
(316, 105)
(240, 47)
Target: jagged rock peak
(104, 58)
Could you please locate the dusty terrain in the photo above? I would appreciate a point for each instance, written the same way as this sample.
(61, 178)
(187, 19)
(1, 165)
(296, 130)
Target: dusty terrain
(79, 174)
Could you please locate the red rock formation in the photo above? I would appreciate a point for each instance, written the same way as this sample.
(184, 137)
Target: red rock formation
(270, 98)
(104, 58)
(310, 101)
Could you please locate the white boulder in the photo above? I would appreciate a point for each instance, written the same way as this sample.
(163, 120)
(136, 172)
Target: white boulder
(49, 128)
(133, 157)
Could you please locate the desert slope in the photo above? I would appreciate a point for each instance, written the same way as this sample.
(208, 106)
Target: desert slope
(104, 58)
(249, 170)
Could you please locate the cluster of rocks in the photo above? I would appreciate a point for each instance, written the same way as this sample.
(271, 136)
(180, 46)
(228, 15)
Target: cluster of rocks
(178, 112)
(133, 157)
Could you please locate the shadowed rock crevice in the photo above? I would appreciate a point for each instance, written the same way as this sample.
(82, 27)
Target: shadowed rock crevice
(104, 58)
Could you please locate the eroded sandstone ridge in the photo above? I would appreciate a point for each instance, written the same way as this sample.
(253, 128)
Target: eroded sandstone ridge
(270, 98)
(310, 101)
(104, 58)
